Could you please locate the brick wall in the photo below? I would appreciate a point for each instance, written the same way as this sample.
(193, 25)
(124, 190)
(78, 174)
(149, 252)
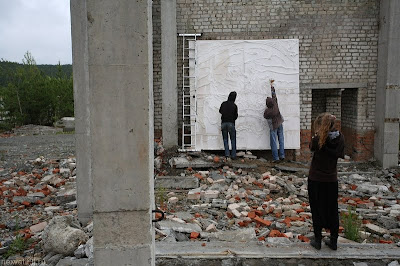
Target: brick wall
(338, 41)
(324, 100)
(157, 76)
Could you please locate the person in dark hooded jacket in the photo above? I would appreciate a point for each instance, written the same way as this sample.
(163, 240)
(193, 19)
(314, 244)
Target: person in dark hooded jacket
(229, 114)
(327, 146)
(275, 121)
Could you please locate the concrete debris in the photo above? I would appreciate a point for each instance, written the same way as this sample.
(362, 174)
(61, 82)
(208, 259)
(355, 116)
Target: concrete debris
(205, 198)
(274, 204)
(89, 248)
(60, 237)
(176, 182)
(179, 227)
(239, 235)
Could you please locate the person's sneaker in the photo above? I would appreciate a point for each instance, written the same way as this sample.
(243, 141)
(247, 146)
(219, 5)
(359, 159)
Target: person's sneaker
(282, 159)
(275, 161)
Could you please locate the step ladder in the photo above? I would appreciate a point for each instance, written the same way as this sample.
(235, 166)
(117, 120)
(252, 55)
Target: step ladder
(189, 97)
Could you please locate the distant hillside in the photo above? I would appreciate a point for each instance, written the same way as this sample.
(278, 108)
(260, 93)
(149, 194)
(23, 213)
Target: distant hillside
(48, 70)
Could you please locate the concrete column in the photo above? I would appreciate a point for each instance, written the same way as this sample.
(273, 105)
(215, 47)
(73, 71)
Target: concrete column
(82, 113)
(119, 72)
(386, 145)
(169, 73)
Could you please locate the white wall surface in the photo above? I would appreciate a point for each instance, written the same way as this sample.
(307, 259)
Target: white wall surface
(245, 66)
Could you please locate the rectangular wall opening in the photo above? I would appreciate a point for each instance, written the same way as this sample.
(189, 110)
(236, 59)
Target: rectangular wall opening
(349, 119)
(326, 100)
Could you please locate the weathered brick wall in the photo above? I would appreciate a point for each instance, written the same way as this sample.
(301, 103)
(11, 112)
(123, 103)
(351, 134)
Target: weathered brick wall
(349, 119)
(338, 41)
(157, 75)
(318, 103)
(327, 101)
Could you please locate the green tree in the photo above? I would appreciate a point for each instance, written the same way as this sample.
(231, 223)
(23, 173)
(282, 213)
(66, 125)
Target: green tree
(31, 97)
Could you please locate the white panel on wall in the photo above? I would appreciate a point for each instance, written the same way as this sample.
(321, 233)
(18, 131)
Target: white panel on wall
(246, 66)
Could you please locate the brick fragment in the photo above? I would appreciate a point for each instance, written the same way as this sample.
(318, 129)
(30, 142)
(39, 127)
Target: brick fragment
(194, 235)
(262, 221)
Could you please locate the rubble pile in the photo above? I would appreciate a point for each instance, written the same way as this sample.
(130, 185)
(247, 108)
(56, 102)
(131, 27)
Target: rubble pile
(38, 205)
(204, 197)
(234, 201)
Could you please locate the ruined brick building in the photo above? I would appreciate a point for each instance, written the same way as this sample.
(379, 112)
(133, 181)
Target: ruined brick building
(125, 63)
(339, 55)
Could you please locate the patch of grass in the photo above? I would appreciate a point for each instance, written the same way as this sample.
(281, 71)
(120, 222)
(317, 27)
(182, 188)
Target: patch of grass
(65, 133)
(161, 197)
(351, 224)
(17, 246)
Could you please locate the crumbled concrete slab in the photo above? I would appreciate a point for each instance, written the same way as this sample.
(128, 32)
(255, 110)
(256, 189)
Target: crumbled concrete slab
(244, 166)
(180, 182)
(240, 235)
(346, 253)
(182, 162)
(179, 227)
(291, 169)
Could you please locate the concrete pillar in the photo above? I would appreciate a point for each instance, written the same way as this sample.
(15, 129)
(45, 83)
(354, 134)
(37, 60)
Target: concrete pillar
(119, 45)
(169, 73)
(82, 113)
(386, 145)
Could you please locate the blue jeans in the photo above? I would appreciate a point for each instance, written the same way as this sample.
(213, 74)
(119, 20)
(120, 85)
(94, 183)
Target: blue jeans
(275, 135)
(228, 127)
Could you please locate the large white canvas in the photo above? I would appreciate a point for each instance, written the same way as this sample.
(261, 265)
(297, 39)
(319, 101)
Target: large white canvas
(245, 66)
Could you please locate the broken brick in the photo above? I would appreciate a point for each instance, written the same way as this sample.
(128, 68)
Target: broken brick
(258, 212)
(26, 203)
(199, 176)
(39, 202)
(262, 221)
(276, 233)
(287, 221)
(385, 241)
(194, 235)
(251, 215)
(303, 238)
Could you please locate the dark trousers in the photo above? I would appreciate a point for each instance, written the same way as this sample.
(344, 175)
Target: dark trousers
(229, 128)
(323, 197)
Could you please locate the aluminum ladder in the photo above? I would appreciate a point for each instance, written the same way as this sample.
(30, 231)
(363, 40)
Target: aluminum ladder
(189, 97)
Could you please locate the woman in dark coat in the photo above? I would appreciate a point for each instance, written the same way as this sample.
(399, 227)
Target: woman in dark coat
(327, 146)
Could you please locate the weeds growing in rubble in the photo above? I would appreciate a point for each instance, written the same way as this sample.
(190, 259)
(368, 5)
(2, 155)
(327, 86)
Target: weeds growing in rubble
(18, 245)
(161, 196)
(351, 225)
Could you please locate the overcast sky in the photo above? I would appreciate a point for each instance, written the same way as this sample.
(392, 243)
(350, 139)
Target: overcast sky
(42, 27)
